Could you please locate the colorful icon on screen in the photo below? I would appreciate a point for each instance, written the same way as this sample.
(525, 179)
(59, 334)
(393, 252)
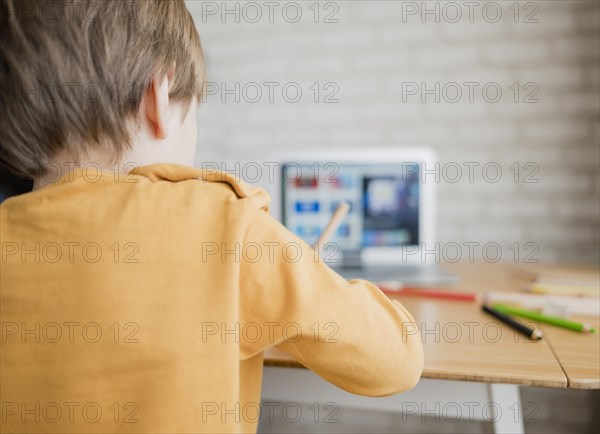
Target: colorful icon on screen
(307, 206)
(305, 182)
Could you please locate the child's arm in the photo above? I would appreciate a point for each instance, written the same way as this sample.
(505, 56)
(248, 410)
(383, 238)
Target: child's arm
(349, 333)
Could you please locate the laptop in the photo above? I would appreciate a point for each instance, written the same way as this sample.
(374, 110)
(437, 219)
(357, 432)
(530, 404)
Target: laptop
(390, 227)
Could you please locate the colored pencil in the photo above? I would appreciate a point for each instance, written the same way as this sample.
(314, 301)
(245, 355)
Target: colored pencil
(537, 316)
(521, 328)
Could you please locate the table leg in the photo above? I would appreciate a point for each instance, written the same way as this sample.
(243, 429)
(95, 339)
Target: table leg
(505, 408)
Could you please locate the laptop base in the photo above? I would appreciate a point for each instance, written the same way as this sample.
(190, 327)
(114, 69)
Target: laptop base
(407, 274)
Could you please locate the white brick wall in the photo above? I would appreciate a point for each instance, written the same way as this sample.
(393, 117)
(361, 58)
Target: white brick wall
(375, 48)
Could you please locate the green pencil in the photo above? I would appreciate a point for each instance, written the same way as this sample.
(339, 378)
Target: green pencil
(537, 316)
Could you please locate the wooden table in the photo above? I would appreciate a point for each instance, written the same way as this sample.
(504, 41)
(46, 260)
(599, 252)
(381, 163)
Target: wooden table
(577, 353)
(462, 343)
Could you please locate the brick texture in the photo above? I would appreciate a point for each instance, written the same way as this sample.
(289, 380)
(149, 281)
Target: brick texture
(387, 73)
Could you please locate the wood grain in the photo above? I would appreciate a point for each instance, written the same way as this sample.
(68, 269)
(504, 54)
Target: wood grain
(463, 343)
(578, 353)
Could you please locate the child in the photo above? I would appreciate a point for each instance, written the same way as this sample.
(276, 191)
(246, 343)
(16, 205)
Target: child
(138, 294)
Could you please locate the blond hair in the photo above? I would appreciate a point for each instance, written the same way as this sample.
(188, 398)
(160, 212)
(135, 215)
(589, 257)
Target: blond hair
(73, 73)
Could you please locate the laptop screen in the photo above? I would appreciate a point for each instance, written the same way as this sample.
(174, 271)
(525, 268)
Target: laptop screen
(383, 199)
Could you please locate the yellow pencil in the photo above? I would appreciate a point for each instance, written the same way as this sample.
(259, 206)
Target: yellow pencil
(334, 222)
(564, 289)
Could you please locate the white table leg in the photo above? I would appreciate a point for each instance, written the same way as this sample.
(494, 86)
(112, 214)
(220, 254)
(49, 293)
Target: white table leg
(505, 409)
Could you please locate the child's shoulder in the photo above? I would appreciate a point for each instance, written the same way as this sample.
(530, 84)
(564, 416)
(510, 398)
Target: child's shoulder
(194, 182)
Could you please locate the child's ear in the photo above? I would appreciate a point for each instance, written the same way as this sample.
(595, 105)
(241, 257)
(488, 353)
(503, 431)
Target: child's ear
(157, 105)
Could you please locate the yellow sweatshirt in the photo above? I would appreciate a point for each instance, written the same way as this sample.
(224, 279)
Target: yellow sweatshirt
(144, 303)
